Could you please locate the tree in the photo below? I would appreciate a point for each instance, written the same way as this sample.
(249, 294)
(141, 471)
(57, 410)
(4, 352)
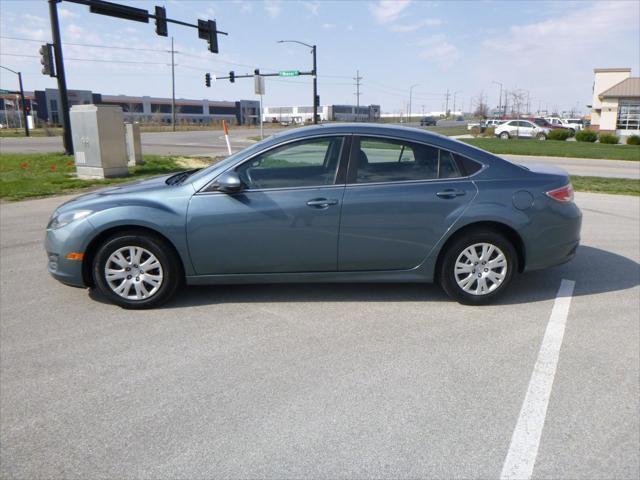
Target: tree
(481, 106)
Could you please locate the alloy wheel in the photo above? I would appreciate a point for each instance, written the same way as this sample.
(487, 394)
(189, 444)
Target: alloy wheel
(133, 272)
(480, 268)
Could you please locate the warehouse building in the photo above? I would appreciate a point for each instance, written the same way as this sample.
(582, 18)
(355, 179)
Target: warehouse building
(326, 113)
(150, 109)
(616, 101)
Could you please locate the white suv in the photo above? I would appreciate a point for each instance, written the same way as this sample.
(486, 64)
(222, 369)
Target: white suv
(521, 129)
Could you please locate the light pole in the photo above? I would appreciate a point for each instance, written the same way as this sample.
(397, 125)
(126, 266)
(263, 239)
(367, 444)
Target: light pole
(410, 100)
(500, 99)
(24, 105)
(314, 72)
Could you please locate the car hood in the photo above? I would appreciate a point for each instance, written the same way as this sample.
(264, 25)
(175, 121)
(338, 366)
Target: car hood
(117, 191)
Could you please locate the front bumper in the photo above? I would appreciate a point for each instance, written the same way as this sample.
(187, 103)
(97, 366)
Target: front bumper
(58, 243)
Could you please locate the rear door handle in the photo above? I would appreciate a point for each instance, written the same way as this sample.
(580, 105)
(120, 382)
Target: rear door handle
(322, 202)
(451, 193)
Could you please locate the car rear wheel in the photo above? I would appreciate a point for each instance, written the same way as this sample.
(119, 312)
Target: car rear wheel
(136, 270)
(541, 137)
(504, 136)
(477, 267)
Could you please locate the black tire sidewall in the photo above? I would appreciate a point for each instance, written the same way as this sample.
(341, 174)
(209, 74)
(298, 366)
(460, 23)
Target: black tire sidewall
(447, 270)
(155, 245)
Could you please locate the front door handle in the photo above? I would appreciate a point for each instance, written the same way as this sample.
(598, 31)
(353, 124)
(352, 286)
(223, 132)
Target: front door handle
(322, 202)
(451, 193)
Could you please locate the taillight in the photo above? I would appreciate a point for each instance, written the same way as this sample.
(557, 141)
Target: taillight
(563, 194)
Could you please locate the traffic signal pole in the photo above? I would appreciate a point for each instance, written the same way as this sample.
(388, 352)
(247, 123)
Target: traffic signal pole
(315, 87)
(62, 81)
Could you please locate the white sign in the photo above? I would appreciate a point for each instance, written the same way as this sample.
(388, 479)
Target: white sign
(259, 84)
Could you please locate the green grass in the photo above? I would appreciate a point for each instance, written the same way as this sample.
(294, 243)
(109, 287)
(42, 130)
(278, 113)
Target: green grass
(557, 149)
(617, 186)
(36, 175)
(448, 131)
(34, 132)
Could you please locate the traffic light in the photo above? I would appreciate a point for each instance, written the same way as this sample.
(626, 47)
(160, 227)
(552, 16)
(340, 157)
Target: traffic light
(232, 76)
(161, 21)
(46, 59)
(207, 30)
(207, 79)
(256, 72)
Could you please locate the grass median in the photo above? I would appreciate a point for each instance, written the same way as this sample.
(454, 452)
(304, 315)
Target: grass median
(25, 176)
(553, 148)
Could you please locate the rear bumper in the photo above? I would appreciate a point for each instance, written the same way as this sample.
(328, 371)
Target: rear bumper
(557, 244)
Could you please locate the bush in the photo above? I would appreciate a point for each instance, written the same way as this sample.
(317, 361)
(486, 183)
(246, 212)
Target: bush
(609, 138)
(489, 132)
(633, 140)
(475, 131)
(559, 134)
(586, 136)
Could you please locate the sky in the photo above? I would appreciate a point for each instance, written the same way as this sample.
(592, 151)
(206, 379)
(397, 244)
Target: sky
(546, 48)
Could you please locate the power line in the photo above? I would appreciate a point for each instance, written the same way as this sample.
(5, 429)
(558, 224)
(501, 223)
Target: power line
(88, 59)
(113, 47)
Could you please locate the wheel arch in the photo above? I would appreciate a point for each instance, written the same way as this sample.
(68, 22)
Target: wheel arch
(94, 245)
(502, 228)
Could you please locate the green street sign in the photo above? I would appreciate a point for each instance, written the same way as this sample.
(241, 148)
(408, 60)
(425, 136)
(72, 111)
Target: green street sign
(289, 73)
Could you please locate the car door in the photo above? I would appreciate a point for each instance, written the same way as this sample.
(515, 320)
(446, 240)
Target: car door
(525, 129)
(285, 219)
(401, 198)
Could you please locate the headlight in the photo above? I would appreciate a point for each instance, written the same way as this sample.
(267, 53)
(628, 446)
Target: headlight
(62, 219)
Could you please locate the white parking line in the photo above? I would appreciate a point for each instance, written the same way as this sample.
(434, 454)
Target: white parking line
(523, 450)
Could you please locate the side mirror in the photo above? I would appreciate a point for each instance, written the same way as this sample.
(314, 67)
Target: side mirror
(229, 182)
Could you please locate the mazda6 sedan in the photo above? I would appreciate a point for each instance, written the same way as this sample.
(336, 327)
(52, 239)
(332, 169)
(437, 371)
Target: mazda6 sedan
(339, 203)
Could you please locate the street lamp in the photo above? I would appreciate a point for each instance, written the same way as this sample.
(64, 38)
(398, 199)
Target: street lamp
(314, 72)
(24, 105)
(410, 99)
(500, 99)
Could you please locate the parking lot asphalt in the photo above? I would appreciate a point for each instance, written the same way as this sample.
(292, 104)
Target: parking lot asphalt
(318, 381)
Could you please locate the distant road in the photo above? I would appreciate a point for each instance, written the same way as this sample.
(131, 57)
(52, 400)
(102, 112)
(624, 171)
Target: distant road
(212, 143)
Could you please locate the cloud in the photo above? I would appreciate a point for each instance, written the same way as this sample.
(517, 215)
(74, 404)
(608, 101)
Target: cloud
(66, 13)
(328, 26)
(386, 11)
(411, 27)
(245, 7)
(313, 7)
(437, 48)
(273, 7)
(34, 19)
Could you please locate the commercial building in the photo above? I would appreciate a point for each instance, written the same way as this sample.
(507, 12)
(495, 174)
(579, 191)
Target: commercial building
(45, 105)
(326, 113)
(616, 101)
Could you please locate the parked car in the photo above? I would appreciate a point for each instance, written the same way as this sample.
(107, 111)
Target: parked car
(491, 122)
(544, 123)
(573, 125)
(338, 203)
(428, 122)
(521, 129)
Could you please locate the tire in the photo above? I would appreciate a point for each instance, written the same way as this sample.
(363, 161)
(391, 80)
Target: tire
(452, 282)
(505, 136)
(160, 280)
(541, 137)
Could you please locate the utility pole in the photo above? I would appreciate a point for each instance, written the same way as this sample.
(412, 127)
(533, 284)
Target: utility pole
(173, 87)
(24, 104)
(410, 100)
(454, 101)
(357, 79)
(62, 80)
(499, 99)
(446, 108)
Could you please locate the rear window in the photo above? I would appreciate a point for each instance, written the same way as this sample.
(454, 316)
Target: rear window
(469, 167)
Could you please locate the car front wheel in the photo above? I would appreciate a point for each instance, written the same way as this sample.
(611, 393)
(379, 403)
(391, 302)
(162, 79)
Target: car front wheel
(504, 136)
(477, 267)
(136, 271)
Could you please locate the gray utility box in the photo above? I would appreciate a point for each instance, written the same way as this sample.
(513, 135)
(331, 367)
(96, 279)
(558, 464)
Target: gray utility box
(98, 141)
(134, 144)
